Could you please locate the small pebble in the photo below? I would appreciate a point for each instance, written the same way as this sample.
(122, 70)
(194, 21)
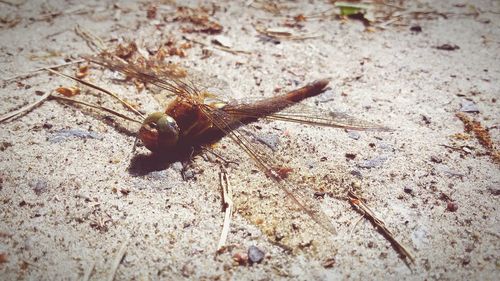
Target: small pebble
(448, 47)
(468, 106)
(354, 135)
(188, 174)
(270, 140)
(329, 263)
(374, 162)
(350, 156)
(416, 28)
(408, 190)
(356, 173)
(255, 255)
(436, 159)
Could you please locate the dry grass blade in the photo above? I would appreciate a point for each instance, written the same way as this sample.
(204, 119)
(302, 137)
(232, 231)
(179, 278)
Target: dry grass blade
(482, 135)
(222, 48)
(100, 89)
(23, 109)
(114, 112)
(93, 41)
(283, 35)
(359, 204)
(227, 192)
(33, 72)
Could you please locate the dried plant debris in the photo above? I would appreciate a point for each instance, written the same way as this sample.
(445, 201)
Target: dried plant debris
(447, 47)
(151, 11)
(9, 21)
(68, 91)
(374, 13)
(93, 41)
(283, 33)
(358, 11)
(359, 204)
(153, 60)
(217, 44)
(199, 18)
(295, 21)
(125, 51)
(482, 135)
(22, 110)
(82, 71)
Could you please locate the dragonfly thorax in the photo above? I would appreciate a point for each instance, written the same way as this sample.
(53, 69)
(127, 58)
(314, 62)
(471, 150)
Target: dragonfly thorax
(159, 131)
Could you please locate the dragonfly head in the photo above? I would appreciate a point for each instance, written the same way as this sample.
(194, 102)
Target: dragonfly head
(159, 131)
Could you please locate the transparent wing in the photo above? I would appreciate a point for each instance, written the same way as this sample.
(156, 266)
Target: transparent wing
(268, 165)
(151, 75)
(211, 84)
(303, 114)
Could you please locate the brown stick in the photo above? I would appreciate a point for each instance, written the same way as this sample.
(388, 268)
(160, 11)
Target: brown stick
(360, 206)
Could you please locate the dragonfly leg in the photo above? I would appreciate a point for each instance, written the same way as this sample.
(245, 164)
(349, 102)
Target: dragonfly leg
(218, 156)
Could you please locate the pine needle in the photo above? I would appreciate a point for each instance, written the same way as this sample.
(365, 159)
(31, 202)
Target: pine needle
(23, 109)
(361, 206)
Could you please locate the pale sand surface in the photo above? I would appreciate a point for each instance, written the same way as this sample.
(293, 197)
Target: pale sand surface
(70, 202)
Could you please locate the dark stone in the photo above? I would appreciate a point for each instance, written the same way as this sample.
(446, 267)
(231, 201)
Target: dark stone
(255, 255)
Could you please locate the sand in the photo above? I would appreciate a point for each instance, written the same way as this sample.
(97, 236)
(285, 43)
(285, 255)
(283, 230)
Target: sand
(78, 204)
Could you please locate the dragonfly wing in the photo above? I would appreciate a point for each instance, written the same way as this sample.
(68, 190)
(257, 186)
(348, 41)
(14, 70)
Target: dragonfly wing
(303, 114)
(174, 86)
(269, 166)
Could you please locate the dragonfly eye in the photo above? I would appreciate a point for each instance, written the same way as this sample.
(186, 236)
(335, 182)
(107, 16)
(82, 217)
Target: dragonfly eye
(153, 125)
(159, 131)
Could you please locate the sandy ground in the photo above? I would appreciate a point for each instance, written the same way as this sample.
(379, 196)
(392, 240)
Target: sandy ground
(73, 201)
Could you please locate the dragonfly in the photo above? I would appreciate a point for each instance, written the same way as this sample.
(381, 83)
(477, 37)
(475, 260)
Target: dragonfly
(196, 114)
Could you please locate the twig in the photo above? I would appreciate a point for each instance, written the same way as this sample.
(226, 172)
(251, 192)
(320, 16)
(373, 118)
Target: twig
(227, 197)
(109, 110)
(117, 260)
(222, 48)
(23, 109)
(356, 223)
(32, 72)
(284, 34)
(100, 89)
(368, 213)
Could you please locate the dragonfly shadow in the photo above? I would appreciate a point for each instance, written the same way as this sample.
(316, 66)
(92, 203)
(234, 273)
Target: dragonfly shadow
(143, 164)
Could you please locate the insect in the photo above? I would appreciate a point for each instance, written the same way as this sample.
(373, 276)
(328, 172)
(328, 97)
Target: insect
(196, 115)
